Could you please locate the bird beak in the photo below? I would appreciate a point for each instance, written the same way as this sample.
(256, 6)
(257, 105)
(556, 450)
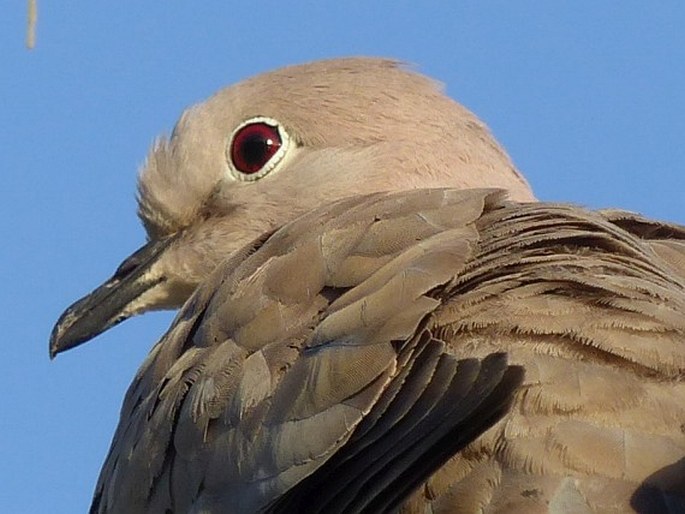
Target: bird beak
(121, 297)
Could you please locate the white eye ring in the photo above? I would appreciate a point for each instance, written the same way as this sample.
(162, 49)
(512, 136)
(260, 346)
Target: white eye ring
(256, 148)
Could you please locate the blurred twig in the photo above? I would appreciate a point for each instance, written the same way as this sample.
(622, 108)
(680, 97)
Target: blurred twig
(31, 26)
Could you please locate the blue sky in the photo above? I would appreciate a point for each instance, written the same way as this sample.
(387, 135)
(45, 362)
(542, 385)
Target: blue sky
(589, 100)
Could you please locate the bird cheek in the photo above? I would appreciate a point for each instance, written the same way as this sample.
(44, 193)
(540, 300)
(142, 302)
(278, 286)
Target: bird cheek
(170, 294)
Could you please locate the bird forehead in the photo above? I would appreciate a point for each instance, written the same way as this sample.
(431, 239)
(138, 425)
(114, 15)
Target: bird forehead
(176, 179)
(341, 99)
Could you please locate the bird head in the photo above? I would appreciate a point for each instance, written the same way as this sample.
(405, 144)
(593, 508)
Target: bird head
(260, 153)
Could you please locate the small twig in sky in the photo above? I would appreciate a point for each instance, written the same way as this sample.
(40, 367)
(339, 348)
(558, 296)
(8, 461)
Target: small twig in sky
(31, 27)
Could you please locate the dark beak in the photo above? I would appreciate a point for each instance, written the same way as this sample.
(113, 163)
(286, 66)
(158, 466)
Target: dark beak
(112, 302)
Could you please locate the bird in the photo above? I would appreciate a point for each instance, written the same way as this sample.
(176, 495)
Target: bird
(377, 314)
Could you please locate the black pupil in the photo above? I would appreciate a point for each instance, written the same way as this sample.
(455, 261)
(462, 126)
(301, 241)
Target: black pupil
(253, 146)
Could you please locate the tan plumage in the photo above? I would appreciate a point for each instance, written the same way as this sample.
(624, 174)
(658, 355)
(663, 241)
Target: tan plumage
(307, 356)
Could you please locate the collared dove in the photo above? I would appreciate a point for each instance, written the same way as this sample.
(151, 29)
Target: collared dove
(378, 315)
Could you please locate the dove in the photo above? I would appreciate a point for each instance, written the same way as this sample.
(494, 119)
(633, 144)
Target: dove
(376, 314)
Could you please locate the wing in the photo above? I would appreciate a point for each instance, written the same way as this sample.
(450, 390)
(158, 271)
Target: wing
(302, 373)
(592, 305)
(426, 415)
(667, 240)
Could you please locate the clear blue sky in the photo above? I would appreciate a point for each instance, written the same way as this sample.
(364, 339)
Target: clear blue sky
(589, 100)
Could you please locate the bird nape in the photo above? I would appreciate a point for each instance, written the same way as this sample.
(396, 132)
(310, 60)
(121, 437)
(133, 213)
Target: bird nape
(377, 315)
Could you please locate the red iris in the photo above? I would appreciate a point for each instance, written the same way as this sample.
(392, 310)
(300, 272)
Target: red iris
(253, 146)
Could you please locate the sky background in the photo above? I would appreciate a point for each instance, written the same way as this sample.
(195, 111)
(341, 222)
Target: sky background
(588, 99)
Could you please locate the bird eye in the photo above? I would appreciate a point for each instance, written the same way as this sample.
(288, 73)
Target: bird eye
(256, 147)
